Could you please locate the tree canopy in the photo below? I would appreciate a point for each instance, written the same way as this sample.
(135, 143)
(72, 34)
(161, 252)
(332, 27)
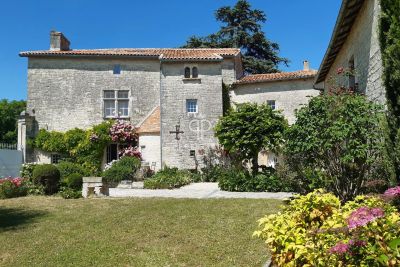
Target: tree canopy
(250, 128)
(242, 28)
(9, 112)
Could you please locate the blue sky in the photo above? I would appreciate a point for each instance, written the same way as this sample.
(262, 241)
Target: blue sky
(302, 28)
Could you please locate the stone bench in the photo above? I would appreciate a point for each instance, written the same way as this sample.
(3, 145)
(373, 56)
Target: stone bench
(92, 186)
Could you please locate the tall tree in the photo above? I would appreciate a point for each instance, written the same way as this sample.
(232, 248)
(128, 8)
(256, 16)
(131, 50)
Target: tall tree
(249, 129)
(390, 48)
(241, 28)
(9, 111)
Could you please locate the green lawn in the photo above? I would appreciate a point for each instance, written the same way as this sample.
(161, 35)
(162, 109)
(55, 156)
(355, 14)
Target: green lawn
(47, 231)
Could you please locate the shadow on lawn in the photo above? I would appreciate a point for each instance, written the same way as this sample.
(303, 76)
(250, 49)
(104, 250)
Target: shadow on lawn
(10, 218)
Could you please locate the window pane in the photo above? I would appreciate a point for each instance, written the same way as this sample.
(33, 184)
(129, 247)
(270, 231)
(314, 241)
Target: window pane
(109, 108)
(271, 103)
(195, 72)
(109, 94)
(123, 108)
(187, 72)
(117, 69)
(191, 105)
(122, 94)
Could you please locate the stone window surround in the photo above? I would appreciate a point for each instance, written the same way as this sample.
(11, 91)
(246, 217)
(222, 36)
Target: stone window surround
(116, 103)
(191, 78)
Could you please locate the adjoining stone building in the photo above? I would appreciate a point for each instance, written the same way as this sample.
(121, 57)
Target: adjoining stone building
(355, 44)
(284, 91)
(174, 96)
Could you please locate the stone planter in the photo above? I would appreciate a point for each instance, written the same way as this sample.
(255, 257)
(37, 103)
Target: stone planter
(92, 186)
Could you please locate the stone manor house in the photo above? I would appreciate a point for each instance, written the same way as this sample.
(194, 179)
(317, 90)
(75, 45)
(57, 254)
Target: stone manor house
(174, 96)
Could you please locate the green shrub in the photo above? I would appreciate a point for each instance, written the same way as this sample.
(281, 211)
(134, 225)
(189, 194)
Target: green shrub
(168, 178)
(9, 188)
(241, 180)
(27, 170)
(33, 189)
(48, 176)
(123, 169)
(316, 230)
(69, 193)
(73, 181)
(67, 168)
(212, 173)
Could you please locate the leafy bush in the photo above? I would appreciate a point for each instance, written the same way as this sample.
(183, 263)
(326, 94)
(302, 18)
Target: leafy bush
(12, 187)
(338, 135)
(123, 169)
(73, 181)
(27, 170)
(316, 230)
(48, 176)
(168, 178)
(241, 180)
(67, 168)
(69, 193)
(212, 173)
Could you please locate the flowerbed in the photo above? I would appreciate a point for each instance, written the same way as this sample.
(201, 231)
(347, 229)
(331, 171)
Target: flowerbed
(12, 187)
(317, 230)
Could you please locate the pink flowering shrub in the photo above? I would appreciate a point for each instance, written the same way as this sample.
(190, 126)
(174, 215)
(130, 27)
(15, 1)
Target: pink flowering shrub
(317, 230)
(123, 132)
(394, 192)
(364, 215)
(131, 152)
(12, 187)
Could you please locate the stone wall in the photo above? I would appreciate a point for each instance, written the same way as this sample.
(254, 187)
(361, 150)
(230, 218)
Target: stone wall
(288, 95)
(149, 145)
(197, 128)
(64, 93)
(363, 44)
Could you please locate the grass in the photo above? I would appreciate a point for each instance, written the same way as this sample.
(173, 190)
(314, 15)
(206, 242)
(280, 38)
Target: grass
(48, 231)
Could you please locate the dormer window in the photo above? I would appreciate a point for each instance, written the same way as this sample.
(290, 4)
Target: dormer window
(187, 72)
(117, 69)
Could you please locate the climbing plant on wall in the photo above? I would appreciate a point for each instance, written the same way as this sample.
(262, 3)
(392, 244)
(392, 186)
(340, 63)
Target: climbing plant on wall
(390, 48)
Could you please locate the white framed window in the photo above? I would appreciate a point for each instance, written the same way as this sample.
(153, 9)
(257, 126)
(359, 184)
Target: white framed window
(191, 106)
(272, 104)
(116, 103)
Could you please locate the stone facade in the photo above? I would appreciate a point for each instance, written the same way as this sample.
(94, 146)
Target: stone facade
(64, 93)
(289, 95)
(66, 90)
(197, 127)
(362, 44)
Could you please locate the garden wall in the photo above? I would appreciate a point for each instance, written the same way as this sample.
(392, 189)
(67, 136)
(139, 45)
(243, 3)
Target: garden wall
(10, 162)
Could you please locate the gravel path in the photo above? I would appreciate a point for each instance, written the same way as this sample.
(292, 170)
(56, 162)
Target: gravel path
(196, 190)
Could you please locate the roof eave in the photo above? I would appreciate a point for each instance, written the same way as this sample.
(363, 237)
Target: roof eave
(329, 54)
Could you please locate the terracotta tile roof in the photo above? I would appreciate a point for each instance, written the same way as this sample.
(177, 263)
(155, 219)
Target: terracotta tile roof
(258, 78)
(151, 124)
(166, 54)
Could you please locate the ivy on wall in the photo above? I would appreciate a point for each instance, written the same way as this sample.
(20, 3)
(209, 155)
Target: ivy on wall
(390, 48)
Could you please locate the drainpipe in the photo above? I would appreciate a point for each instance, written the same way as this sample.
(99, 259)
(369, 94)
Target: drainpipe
(161, 115)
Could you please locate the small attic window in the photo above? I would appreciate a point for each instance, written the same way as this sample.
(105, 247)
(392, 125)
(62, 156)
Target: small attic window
(195, 72)
(187, 72)
(117, 69)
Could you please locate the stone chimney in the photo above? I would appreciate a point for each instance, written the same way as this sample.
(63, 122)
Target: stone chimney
(306, 65)
(58, 42)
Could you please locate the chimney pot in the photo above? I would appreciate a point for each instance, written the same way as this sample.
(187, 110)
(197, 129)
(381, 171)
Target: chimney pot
(306, 65)
(58, 42)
